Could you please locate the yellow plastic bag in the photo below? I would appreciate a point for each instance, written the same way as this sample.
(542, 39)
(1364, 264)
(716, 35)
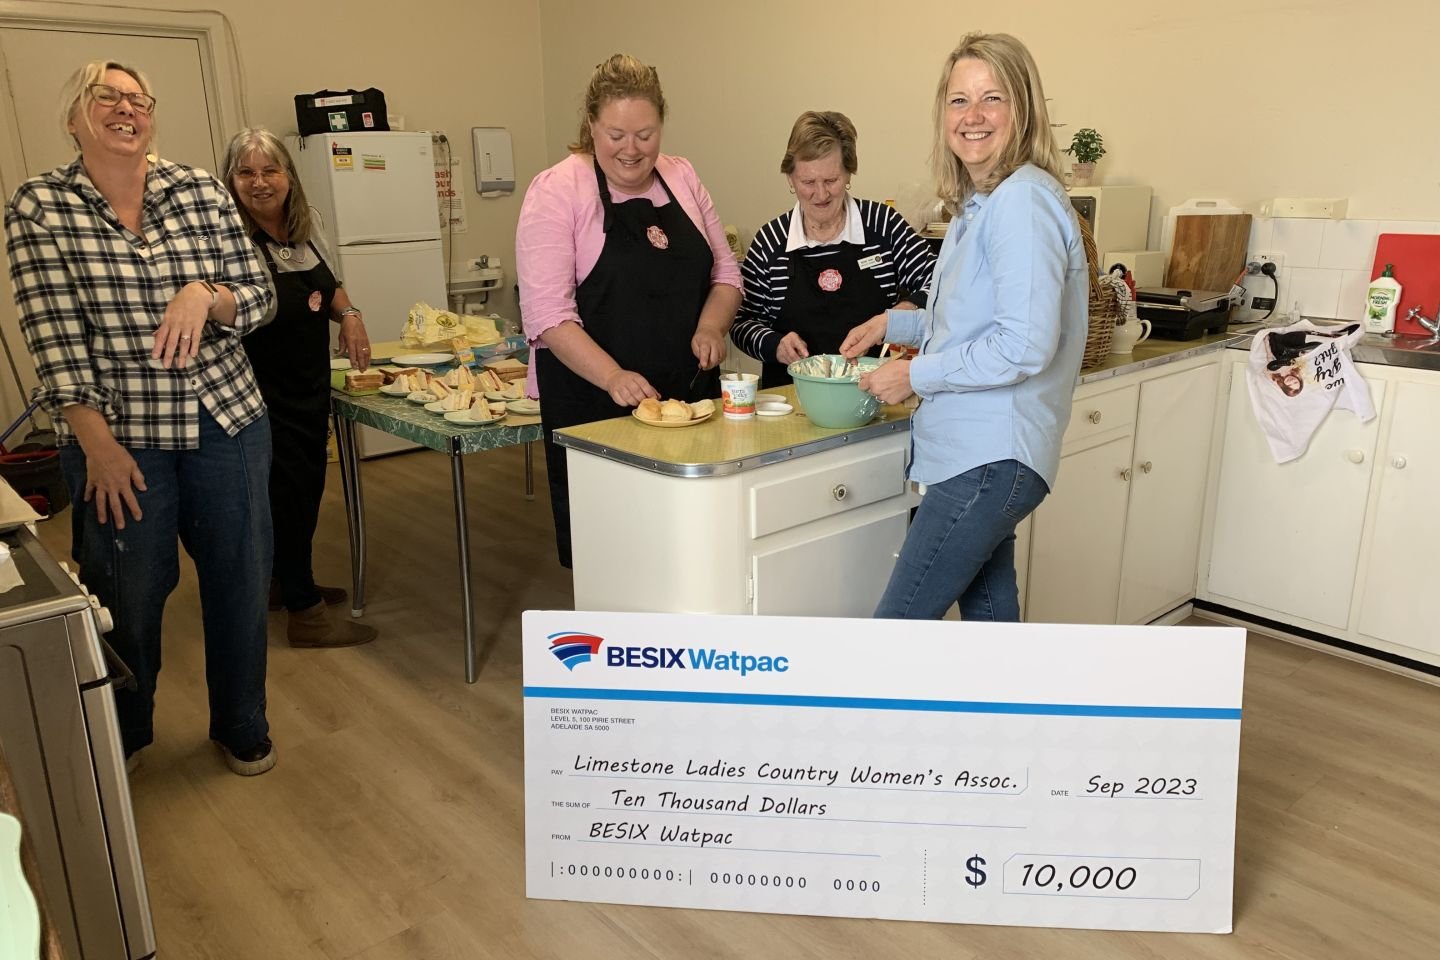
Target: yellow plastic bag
(431, 329)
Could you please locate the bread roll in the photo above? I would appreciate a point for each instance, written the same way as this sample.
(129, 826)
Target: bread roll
(649, 409)
(675, 410)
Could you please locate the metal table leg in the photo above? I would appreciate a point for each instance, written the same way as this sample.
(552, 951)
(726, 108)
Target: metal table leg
(530, 470)
(462, 537)
(354, 509)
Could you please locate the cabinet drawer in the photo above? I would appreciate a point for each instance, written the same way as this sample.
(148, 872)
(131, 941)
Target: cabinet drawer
(792, 501)
(1101, 412)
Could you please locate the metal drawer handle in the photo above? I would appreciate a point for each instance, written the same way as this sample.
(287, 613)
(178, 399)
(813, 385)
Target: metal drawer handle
(1125, 474)
(1146, 467)
(1094, 416)
(839, 492)
(1398, 463)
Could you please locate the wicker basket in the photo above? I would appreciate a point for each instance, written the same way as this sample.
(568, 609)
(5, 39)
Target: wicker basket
(1104, 309)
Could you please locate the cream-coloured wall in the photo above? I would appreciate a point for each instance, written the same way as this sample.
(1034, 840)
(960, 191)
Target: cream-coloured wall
(443, 64)
(1350, 110)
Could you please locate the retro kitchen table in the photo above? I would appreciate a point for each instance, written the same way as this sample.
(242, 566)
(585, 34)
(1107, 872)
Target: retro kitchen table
(397, 416)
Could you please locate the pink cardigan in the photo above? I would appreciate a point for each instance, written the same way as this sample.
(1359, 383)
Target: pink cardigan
(561, 233)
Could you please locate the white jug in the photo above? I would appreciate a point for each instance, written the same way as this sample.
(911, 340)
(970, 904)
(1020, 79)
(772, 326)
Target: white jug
(1126, 335)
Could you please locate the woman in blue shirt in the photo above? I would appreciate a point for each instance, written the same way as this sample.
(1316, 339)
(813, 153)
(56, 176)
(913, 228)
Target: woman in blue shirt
(1000, 340)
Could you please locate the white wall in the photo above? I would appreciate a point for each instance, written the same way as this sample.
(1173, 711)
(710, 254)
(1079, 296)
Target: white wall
(1349, 108)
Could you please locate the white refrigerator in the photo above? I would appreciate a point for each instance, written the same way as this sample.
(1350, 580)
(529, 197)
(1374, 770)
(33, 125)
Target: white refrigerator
(375, 193)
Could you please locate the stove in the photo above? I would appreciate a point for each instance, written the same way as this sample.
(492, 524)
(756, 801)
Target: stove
(60, 740)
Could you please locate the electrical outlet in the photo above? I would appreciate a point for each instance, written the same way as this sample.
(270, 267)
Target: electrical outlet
(1257, 260)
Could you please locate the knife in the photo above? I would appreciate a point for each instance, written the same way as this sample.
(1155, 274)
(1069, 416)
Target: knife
(694, 380)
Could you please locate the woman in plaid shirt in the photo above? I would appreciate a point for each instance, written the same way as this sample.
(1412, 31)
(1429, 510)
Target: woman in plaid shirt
(134, 280)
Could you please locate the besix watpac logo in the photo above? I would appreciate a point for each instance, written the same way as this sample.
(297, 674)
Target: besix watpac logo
(572, 648)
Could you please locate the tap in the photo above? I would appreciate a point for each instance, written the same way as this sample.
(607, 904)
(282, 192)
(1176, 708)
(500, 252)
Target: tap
(1432, 325)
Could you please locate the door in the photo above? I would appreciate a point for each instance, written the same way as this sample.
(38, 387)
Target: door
(841, 574)
(1287, 535)
(1078, 534)
(36, 64)
(1398, 603)
(1167, 496)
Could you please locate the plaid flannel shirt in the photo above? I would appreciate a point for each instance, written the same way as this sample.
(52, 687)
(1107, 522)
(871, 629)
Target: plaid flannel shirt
(91, 294)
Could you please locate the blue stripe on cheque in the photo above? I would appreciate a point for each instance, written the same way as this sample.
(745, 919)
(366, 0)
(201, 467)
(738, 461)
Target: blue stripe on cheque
(879, 703)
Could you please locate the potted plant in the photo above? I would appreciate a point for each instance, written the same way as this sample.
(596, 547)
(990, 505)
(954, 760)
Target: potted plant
(1087, 146)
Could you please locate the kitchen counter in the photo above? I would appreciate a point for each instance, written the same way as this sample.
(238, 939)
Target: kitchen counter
(1155, 353)
(720, 447)
(1419, 353)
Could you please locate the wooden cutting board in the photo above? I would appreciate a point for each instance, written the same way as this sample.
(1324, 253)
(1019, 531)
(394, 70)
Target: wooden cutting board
(1209, 251)
(1417, 266)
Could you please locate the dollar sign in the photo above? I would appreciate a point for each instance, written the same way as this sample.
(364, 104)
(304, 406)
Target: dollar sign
(977, 876)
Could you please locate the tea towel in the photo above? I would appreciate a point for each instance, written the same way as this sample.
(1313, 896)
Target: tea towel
(1296, 374)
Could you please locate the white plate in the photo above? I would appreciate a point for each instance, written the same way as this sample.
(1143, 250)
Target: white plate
(671, 423)
(437, 406)
(395, 390)
(525, 408)
(19, 914)
(420, 396)
(774, 409)
(423, 359)
(463, 416)
(500, 397)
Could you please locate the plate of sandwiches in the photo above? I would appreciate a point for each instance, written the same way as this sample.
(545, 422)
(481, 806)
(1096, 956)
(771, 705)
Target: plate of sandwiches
(524, 407)
(479, 413)
(673, 413)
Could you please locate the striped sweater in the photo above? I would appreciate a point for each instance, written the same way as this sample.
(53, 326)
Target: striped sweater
(906, 268)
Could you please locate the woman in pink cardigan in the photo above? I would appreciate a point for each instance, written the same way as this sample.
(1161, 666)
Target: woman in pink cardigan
(627, 286)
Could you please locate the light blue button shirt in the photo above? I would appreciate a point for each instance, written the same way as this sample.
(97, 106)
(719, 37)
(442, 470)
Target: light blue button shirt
(1003, 335)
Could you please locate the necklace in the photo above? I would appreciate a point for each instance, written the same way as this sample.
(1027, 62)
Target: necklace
(288, 253)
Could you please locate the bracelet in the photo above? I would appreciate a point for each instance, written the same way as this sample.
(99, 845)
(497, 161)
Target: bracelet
(214, 298)
(349, 311)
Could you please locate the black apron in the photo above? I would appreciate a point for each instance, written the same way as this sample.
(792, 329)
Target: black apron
(291, 357)
(828, 295)
(641, 304)
(291, 354)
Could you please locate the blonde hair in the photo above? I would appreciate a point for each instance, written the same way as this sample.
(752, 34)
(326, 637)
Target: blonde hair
(621, 77)
(1031, 139)
(77, 91)
(297, 208)
(817, 133)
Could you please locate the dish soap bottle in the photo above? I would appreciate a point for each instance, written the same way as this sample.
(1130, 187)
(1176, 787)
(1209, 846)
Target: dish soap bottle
(1381, 302)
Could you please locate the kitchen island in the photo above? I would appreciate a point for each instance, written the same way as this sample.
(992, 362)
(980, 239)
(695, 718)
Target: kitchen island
(765, 516)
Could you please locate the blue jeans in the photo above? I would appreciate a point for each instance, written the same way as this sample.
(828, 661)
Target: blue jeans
(961, 546)
(213, 499)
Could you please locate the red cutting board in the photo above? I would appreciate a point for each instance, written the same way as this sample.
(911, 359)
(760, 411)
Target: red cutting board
(1416, 258)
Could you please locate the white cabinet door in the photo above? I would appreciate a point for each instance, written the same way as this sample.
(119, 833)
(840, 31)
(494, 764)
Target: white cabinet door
(1077, 537)
(1398, 602)
(841, 574)
(1167, 496)
(1287, 536)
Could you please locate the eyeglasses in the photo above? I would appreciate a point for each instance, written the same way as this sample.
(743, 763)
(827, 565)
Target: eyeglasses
(109, 96)
(244, 174)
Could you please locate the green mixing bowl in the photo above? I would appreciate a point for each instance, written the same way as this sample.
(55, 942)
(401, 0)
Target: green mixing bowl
(830, 401)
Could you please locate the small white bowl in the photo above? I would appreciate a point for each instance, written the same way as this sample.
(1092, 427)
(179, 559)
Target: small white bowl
(774, 408)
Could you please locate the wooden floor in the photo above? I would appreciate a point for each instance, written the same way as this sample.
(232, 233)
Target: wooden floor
(393, 826)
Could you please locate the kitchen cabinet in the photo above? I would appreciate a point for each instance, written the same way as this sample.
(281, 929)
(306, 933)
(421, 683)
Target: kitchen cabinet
(719, 519)
(1167, 492)
(1117, 541)
(1397, 593)
(1286, 536)
(1078, 537)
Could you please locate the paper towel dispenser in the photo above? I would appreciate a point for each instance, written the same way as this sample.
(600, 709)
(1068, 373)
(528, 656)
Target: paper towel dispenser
(494, 160)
